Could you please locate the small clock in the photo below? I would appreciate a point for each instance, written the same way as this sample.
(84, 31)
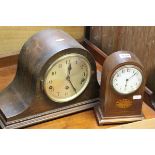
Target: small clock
(122, 88)
(56, 76)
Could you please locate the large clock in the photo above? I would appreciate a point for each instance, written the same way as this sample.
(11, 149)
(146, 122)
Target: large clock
(56, 76)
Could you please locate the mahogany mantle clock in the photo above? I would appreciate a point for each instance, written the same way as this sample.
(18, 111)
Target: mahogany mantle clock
(56, 76)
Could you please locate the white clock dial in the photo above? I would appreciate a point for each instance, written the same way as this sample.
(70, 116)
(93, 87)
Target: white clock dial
(127, 79)
(67, 77)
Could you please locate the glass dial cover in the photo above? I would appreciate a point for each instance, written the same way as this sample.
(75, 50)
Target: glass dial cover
(67, 77)
(126, 79)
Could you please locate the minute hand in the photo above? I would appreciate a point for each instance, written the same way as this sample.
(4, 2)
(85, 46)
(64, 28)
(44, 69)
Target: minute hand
(68, 79)
(131, 76)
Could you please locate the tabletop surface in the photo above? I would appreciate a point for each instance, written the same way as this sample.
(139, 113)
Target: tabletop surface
(81, 120)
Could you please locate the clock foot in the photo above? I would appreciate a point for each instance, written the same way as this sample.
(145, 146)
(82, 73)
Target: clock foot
(101, 119)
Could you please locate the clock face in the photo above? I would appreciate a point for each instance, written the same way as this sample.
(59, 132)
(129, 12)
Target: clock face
(67, 77)
(127, 79)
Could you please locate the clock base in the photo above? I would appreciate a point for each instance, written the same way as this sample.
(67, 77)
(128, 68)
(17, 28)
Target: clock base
(47, 116)
(116, 119)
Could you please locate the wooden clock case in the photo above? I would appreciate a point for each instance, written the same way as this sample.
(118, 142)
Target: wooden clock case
(24, 102)
(107, 112)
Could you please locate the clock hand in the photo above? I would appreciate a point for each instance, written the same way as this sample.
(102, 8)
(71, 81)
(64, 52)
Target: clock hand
(68, 79)
(69, 68)
(128, 79)
(131, 76)
(126, 83)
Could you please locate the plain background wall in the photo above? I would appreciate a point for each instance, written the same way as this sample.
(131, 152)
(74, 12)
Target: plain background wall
(13, 37)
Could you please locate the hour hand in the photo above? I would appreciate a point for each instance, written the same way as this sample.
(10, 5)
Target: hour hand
(69, 68)
(126, 81)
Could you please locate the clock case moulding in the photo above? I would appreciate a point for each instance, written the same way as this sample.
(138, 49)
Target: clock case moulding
(24, 102)
(106, 111)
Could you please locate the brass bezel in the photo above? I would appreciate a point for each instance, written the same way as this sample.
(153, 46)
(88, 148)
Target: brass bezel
(81, 90)
(118, 69)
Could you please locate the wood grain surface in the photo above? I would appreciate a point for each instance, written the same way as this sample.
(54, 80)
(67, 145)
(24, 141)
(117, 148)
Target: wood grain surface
(148, 123)
(13, 37)
(138, 39)
(82, 120)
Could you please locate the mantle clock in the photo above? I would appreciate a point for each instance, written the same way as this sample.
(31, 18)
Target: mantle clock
(56, 76)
